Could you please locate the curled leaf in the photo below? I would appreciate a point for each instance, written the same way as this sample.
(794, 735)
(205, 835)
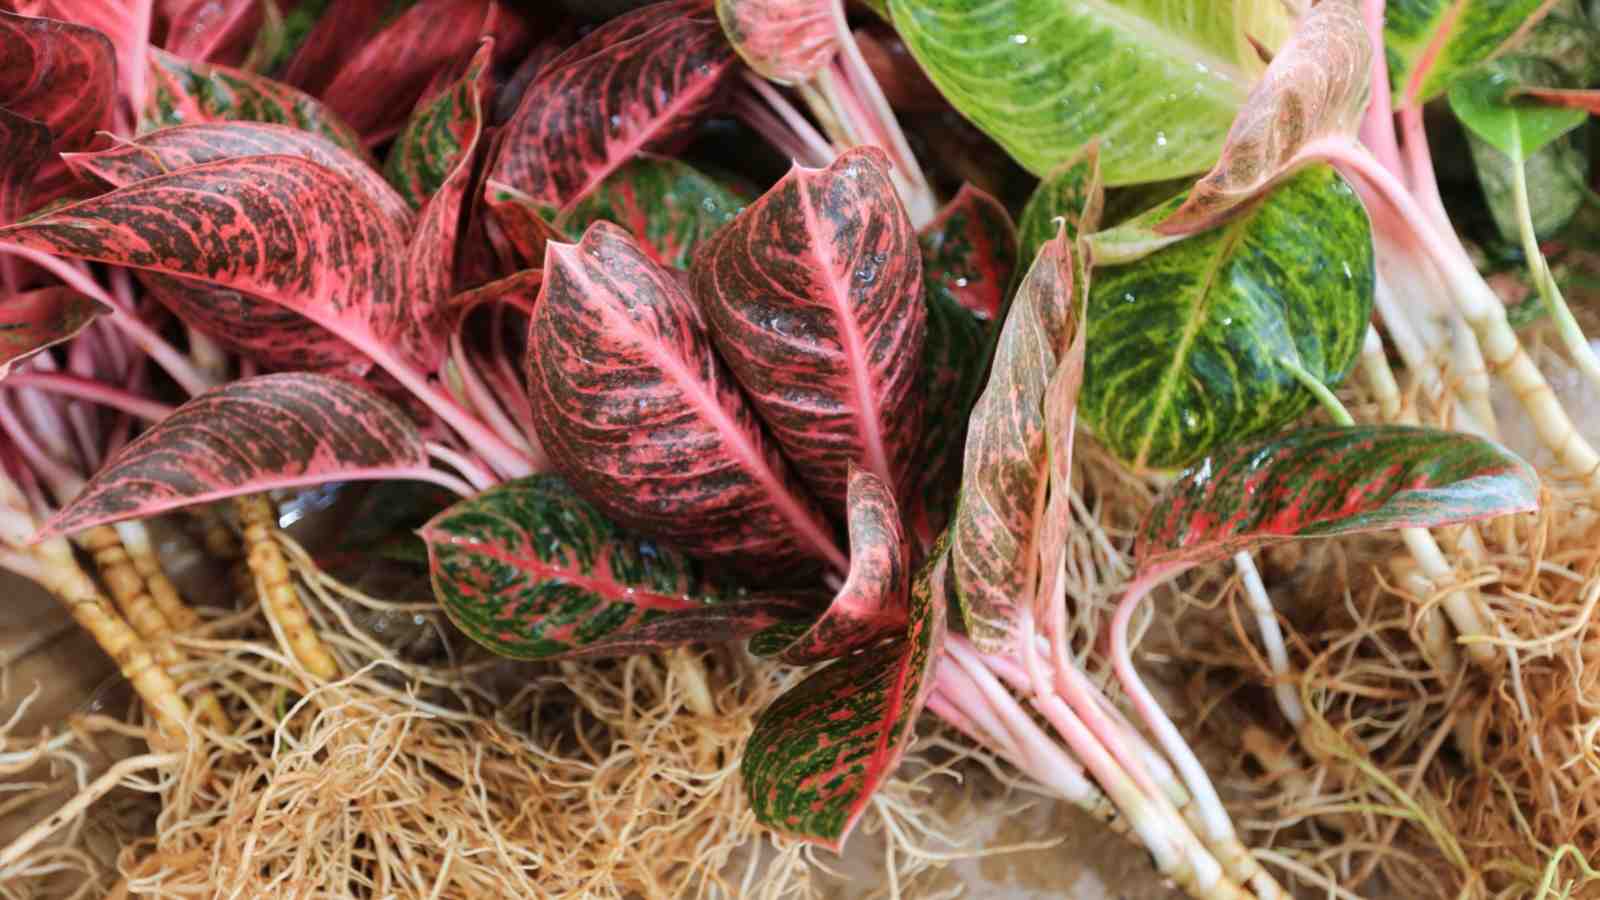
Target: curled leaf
(252, 435)
(1072, 193)
(634, 407)
(60, 74)
(1326, 481)
(813, 295)
(34, 320)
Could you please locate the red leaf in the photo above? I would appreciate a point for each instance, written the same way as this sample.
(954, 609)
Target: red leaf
(969, 251)
(24, 146)
(635, 410)
(819, 752)
(278, 228)
(57, 73)
(258, 434)
(635, 83)
(342, 29)
(1572, 99)
(814, 296)
(32, 321)
(125, 23)
(520, 221)
(787, 41)
(218, 31)
(871, 604)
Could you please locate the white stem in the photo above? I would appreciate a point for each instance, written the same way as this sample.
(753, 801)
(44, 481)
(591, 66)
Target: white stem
(1283, 690)
(1583, 355)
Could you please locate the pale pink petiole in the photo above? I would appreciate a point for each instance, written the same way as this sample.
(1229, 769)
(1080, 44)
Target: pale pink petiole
(93, 391)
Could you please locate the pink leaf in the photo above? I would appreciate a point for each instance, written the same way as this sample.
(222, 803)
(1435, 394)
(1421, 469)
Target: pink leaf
(787, 41)
(32, 321)
(814, 296)
(634, 408)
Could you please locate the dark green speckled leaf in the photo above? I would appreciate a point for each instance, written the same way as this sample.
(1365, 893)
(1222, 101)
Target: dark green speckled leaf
(819, 752)
(667, 205)
(1184, 345)
(184, 92)
(442, 130)
(1331, 480)
(531, 571)
(1466, 32)
(1158, 81)
(1072, 193)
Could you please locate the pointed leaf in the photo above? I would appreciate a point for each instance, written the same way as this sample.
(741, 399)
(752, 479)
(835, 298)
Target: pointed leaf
(1431, 43)
(871, 604)
(787, 41)
(532, 571)
(187, 92)
(24, 146)
(279, 228)
(34, 320)
(969, 252)
(169, 149)
(819, 752)
(1518, 128)
(1326, 481)
(256, 434)
(1159, 83)
(667, 205)
(213, 31)
(1185, 346)
(995, 535)
(1072, 193)
(440, 135)
(814, 298)
(340, 29)
(1315, 89)
(634, 408)
(635, 83)
(59, 74)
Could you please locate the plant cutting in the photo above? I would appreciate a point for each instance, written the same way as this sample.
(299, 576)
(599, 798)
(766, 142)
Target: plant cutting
(827, 417)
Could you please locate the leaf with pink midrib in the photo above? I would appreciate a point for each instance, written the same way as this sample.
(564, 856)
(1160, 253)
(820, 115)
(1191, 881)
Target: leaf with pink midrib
(635, 83)
(24, 146)
(787, 41)
(33, 320)
(58, 73)
(634, 407)
(814, 298)
(256, 434)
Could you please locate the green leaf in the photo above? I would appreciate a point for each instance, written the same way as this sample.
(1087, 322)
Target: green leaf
(1331, 480)
(1005, 468)
(531, 571)
(1558, 184)
(1517, 128)
(667, 205)
(1185, 345)
(1071, 193)
(442, 129)
(1159, 83)
(820, 751)
(1431, 43)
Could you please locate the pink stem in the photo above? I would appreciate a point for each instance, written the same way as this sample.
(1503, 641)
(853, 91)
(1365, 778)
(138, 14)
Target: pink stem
(463, 463)
(93, 391)
(1377, 123)
(64, 483)
(1419, 168)
(484, 403)
(81, 361)
(816, 146)
(763, 122)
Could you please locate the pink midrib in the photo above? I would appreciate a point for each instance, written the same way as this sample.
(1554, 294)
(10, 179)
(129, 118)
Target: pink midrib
(609, 589)
(710, 410)
(868, 416)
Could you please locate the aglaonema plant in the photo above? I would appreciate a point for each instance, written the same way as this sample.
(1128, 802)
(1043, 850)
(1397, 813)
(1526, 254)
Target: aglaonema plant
(836, 420)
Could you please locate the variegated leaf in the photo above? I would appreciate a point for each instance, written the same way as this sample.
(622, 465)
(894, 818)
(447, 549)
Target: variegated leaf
(969, 252)
(186, 92)
(60, 74)
(441, 134)
(334, 34)
(787, 41)
(1316, 89)
(635, 83)
(635, 409)
(278, 228)
(1431, 43)
(994, 545)
(1071, 193)
(213, 31)
(257, 434)
(819, 752)
(524, 224)
(34, 320)
(1157, 82)
(813, 295)
(24, 146)
(871, 604)
(1325, 481)
(669, 206)
(531, 570)
(1186, 345)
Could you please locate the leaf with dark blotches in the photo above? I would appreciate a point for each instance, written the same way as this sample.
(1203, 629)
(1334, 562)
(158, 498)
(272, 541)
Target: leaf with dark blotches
(276, 228)
(525, 225)
(668, 205)
(1431, 43)
(633, 406)
(994, 548)
(253, 435)
(787, 41)
(186, 92)
(519, 290)
(819, 752)
(814, 297)
(375, 88)
(1072, 193)
(60, 74)
(969, 252)
(871, 604)
(24, 146)
(431, 255)
(531, 570)
(442, 133)
(637, 82)
(1329, 480)
(34, 320)
(1315, 90)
